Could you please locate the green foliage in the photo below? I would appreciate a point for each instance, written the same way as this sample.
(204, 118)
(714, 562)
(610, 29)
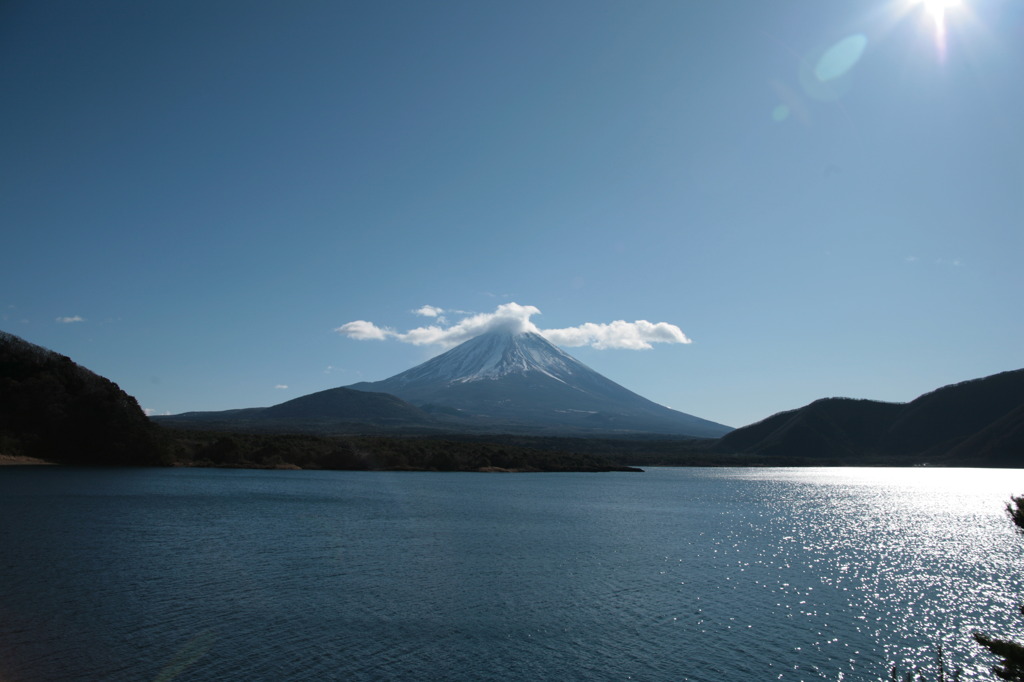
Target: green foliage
(1011, 667)
(1012, 654)
(917, 675)
(1015, 508)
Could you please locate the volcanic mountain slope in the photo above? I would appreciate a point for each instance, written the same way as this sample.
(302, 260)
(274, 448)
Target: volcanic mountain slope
(336, 410)
(520, 381)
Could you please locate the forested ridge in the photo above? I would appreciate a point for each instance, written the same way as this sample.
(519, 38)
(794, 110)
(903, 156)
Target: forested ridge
(973, 423)
(54, 409)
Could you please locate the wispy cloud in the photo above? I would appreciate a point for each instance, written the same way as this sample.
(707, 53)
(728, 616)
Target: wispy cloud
(434, 312)
(281, 387)
(70, 320)
(363, 331)
(954, 262)
(637, 335)
(513, 317)
(429, 311)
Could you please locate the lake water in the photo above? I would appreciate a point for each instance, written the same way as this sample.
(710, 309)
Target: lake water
(672, 574)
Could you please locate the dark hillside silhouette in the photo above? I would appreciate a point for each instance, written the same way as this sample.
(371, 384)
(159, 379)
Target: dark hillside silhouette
(941, 420)
(974, 423)
(827, 428)
(56, 410)
(1000, 444)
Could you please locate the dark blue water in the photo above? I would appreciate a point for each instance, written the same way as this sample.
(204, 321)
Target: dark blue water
(673, 574)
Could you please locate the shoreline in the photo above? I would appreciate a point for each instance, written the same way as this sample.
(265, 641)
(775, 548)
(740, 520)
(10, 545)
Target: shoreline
(23, 460)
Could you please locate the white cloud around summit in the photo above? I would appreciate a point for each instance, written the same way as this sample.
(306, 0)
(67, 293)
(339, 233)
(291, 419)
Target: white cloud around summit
(362, 330)
(637, 335)
(514, 317)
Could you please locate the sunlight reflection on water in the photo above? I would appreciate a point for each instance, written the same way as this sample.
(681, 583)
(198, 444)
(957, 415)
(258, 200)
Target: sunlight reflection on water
(674, 574)
(913, 546)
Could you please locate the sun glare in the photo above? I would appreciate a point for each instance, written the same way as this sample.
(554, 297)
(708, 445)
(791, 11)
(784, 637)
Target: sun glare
(937, 10)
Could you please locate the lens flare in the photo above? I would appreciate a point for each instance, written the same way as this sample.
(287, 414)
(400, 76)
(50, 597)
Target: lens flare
(841, 57)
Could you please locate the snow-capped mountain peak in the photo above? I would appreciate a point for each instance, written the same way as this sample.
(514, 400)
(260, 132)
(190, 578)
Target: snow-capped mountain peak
(495, 355)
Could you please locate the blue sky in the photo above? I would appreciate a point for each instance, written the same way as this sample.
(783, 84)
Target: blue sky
(827, 198)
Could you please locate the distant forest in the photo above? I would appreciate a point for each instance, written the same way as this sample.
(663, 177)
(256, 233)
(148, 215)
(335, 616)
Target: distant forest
(280, 451)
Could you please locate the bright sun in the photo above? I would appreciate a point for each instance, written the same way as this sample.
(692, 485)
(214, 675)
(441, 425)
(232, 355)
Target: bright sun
(937, 10)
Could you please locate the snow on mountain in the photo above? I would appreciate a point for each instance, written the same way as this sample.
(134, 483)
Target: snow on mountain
(495, 355)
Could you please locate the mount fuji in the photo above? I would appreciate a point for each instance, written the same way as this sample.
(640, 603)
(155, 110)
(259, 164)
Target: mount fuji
(517, 380)
(504, 381)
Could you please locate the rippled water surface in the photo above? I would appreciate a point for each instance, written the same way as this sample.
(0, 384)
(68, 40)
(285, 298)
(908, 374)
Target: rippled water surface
(673, 574)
